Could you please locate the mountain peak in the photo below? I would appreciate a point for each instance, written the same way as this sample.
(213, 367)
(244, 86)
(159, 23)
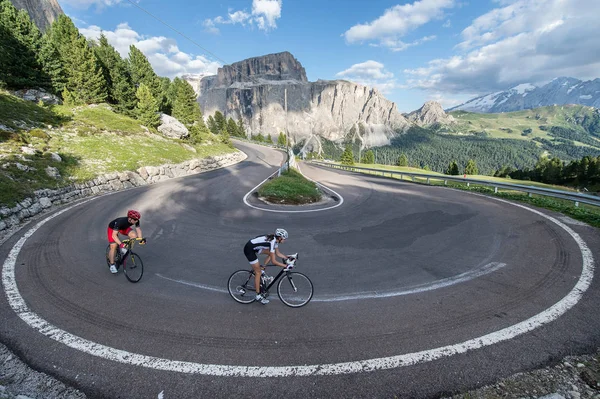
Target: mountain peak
(430, 113)
(559, 91)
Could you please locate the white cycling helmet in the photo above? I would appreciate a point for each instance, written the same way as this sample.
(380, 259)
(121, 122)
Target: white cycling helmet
(281, 233)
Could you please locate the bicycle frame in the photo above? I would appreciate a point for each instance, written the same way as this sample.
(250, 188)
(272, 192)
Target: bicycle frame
(266, 289)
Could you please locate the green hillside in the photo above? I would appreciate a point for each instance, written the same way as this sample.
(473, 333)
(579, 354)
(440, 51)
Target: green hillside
(91, 140)
(515, 139)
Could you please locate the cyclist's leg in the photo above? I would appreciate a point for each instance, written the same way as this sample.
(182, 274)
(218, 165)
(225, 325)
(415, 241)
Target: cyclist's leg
(253, 260)
(131, 233)
(113, 246)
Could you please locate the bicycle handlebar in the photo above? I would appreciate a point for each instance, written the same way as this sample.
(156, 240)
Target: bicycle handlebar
(130, 241)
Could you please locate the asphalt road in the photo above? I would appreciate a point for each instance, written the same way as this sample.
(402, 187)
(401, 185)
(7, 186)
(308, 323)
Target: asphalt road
(419, 291)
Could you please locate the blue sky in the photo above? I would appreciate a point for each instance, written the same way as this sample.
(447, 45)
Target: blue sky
(412, 51)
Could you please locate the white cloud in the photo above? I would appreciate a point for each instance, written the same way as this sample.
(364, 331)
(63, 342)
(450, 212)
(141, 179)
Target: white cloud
(372, 74)
(398, 21)
(398, 45)
(163, 53)
(265, 14)
(523, 41)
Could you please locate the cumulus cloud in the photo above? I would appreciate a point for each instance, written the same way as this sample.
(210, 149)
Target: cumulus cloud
(264, 15)
(397, 22)
(372, 74)
(163, 53)
(522, 41)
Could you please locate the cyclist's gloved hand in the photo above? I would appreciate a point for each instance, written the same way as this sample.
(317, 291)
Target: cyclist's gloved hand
(143, 241)
(122, 245)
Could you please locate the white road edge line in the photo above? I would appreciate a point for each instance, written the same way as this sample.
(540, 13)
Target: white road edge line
(18, 304)
(445, 282)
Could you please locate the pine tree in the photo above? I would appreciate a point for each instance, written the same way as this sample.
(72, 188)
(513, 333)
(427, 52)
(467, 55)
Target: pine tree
(402, 160)
(142, 72)
(471, 168)
(52, 65)
(165, 86)
(368, 157)
(147, 107)
(225, 139)
(232, 128)
(62, 38)
(120, 88)
(220, 121)
(347, 156)
(281, 140)
(20, 43)
(185, 107)
(452, 169)
(86, 81)
(240, 128)
(212, 125)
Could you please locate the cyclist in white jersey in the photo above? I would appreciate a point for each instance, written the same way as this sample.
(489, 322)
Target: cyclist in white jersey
(268, 245)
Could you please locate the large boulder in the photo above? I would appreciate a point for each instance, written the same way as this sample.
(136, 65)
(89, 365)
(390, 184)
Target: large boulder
(172, 128)
(37, 95)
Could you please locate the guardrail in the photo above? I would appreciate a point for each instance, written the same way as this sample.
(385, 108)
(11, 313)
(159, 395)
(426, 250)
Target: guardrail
(577, 198)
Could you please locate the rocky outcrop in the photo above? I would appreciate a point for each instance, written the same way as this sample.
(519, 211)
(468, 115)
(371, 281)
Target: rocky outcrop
(41, 12)
(430, 114)
(258, 90)
(37, 95)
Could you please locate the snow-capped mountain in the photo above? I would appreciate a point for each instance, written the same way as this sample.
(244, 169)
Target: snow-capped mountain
(559, 91)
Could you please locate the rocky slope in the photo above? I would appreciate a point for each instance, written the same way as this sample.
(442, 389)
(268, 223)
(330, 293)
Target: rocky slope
(259, 89)
(559, 91)
(431, 113)
(42, 12)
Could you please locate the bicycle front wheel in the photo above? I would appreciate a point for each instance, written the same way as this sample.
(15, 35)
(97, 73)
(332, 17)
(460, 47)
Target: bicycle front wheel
(241, 286)
(295, 289)
(133, 267)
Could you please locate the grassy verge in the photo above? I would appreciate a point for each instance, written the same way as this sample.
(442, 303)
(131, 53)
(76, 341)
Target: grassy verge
(91, 141)
(584, 213)
(290, 188)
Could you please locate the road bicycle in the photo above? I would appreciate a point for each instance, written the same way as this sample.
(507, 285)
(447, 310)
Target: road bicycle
(294, 288)
(132, 263)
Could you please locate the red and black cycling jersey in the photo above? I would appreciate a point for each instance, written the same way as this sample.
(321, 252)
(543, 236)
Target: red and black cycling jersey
(122, 224)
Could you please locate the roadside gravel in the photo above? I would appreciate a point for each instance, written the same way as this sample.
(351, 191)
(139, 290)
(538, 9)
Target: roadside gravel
(575, 377)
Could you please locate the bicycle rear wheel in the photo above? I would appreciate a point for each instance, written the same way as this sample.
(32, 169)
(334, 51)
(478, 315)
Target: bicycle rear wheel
(133, 267)
(241, 286)
(295, 289)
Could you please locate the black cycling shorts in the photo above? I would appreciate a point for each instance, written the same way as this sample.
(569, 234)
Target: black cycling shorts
(250, 252)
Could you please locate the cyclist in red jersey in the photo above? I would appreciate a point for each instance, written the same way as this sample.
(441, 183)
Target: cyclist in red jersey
(122, 225)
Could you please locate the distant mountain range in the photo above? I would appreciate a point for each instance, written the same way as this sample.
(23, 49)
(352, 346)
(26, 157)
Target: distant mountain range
(559, 91)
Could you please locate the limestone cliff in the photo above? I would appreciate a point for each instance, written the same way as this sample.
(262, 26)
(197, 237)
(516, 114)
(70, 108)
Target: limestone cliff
(41, 12)
(257, 90)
